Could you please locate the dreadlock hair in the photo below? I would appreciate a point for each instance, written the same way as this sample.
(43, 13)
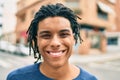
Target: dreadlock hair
(51, 10)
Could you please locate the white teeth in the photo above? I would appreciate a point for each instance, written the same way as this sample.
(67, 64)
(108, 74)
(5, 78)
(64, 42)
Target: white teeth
(56, 53)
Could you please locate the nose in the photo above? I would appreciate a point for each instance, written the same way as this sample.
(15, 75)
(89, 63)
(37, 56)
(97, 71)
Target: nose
(55, 42)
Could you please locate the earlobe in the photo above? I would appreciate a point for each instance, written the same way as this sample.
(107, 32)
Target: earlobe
(36, 37)
(74, 41)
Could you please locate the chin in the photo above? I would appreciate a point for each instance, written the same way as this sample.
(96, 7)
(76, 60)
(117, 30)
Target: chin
(58, 64)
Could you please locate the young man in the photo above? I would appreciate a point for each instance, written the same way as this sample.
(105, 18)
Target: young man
(52, 34)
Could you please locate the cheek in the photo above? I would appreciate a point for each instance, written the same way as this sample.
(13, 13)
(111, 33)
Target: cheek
(41, 44)
(70, 42)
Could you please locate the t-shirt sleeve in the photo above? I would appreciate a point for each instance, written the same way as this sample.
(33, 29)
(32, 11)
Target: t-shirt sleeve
(93, 78)
(11, 76)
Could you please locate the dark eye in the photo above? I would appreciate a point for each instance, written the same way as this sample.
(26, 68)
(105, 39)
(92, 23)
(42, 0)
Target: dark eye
(45, 36)
(64, 35)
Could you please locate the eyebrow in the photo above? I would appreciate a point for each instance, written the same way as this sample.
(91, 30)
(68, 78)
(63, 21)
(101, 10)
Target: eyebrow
(44, 32)
(65, 30)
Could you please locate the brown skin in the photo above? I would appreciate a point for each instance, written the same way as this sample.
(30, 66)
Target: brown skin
(55, 42)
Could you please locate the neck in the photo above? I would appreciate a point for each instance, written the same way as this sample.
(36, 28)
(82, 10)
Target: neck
(62, 71)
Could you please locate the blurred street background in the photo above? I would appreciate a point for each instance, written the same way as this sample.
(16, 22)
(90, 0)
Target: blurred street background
(105, 67)
(99, 52)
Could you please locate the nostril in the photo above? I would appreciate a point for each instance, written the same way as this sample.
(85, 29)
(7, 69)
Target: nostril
(48, 52)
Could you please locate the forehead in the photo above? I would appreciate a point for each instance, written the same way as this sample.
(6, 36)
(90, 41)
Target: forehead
(54, 23)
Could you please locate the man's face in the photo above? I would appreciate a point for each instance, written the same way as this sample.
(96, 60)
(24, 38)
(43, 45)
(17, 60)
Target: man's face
(55, 40)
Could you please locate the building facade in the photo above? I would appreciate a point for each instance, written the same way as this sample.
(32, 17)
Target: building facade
(8, 20)
(98, 18)
(1, 17)
(118, 20)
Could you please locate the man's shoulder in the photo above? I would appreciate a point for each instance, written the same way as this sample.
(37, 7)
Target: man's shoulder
(22, 72)
(87, 75)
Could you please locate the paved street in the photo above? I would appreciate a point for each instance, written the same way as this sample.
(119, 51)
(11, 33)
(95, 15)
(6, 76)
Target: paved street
(104, 70)
(9, 62)
(105, 66)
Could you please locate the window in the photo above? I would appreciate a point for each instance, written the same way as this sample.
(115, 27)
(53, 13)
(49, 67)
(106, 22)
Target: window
(0, 15)
(112, 41)
(1, 5)
(101, 14)
(73, 4)
(95, 41)
(0, 25)
(77, 11)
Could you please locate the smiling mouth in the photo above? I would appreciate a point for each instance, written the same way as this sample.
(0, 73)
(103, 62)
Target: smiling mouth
(56, 53)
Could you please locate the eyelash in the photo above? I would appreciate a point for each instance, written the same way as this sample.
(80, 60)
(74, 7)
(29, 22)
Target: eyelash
(48, 36)
(63, 35)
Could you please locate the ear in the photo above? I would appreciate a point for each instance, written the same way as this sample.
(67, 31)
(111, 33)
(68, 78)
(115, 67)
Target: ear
(37, 40)
(74, 41)
(36, 37)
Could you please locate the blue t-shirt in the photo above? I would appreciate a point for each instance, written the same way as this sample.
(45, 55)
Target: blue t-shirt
(32, 72)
